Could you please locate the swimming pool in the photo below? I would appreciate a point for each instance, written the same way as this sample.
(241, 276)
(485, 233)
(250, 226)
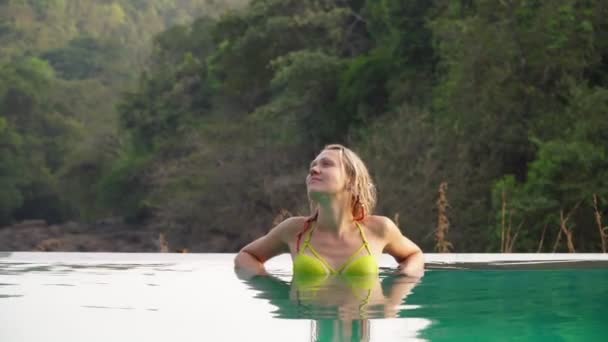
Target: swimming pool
(198, 297)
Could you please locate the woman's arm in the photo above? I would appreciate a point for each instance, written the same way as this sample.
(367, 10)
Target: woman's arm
(252, 257)
(395, 289)
(406, 253)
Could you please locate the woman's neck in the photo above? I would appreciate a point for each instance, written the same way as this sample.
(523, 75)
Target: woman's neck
(334, 217)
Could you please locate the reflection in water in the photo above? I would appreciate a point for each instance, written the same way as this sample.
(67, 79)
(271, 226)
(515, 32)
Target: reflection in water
(462, 305)
(173, 296)
(340, 330)
(340, 307)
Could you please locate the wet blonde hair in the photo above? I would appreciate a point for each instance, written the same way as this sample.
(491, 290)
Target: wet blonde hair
(359, 183)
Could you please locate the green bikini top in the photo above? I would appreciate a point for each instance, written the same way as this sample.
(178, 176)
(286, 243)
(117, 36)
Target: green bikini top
(315, 264)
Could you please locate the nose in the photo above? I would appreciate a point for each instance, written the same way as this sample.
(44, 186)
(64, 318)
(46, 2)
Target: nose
(314, 170)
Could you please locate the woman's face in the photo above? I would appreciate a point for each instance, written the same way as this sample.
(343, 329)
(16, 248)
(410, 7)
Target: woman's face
(326, 174)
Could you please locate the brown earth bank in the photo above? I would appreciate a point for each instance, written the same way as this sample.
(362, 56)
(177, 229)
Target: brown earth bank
(109, 235)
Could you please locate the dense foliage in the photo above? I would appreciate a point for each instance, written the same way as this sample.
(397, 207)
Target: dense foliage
(63, 67)
(505, 101)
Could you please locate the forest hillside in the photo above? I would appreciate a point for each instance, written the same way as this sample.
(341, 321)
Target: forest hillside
(484, 123)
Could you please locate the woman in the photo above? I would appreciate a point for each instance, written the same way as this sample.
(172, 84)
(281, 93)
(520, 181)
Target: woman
(340, 237)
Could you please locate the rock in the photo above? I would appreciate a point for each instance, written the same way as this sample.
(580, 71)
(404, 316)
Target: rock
(30, 224)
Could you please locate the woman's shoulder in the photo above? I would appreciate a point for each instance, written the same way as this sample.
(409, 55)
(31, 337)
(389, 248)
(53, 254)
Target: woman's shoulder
(291, 226)
(380, 226)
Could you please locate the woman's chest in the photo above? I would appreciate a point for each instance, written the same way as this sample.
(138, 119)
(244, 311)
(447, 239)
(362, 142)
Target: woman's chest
(336, 250)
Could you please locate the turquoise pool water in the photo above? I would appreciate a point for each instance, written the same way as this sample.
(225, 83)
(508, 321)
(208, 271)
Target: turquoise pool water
(198, 297)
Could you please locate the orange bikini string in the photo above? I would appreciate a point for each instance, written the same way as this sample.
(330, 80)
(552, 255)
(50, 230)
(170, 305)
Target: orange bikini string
(362, 216)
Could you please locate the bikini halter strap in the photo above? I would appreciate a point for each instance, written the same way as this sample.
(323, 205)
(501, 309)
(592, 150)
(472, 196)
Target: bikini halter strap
(308, 226)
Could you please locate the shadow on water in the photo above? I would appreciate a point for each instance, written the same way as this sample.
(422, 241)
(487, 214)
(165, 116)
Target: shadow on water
(2, 296)
(107, 307)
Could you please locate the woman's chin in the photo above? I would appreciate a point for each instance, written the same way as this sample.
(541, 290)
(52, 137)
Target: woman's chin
(316, 192)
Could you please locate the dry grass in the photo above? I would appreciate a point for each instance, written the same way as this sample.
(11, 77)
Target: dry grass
(603, 230)
(442, 245)
(507, 240)
(565, 230)
(163, 245)
(281, 216)
(563, 221)
(510, 241)
(557, 240)
(502, 221)
(542, 240)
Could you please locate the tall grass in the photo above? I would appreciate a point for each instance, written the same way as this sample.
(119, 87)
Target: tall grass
(565, 229)
(442, 245)
(507, 240)
(598, 220)
(542, 239)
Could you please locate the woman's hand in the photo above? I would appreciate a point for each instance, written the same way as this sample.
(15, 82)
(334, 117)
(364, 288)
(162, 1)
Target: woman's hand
(413, 265)
(247, 265)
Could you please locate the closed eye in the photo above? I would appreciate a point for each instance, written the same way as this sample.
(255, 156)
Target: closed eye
(325, 162)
